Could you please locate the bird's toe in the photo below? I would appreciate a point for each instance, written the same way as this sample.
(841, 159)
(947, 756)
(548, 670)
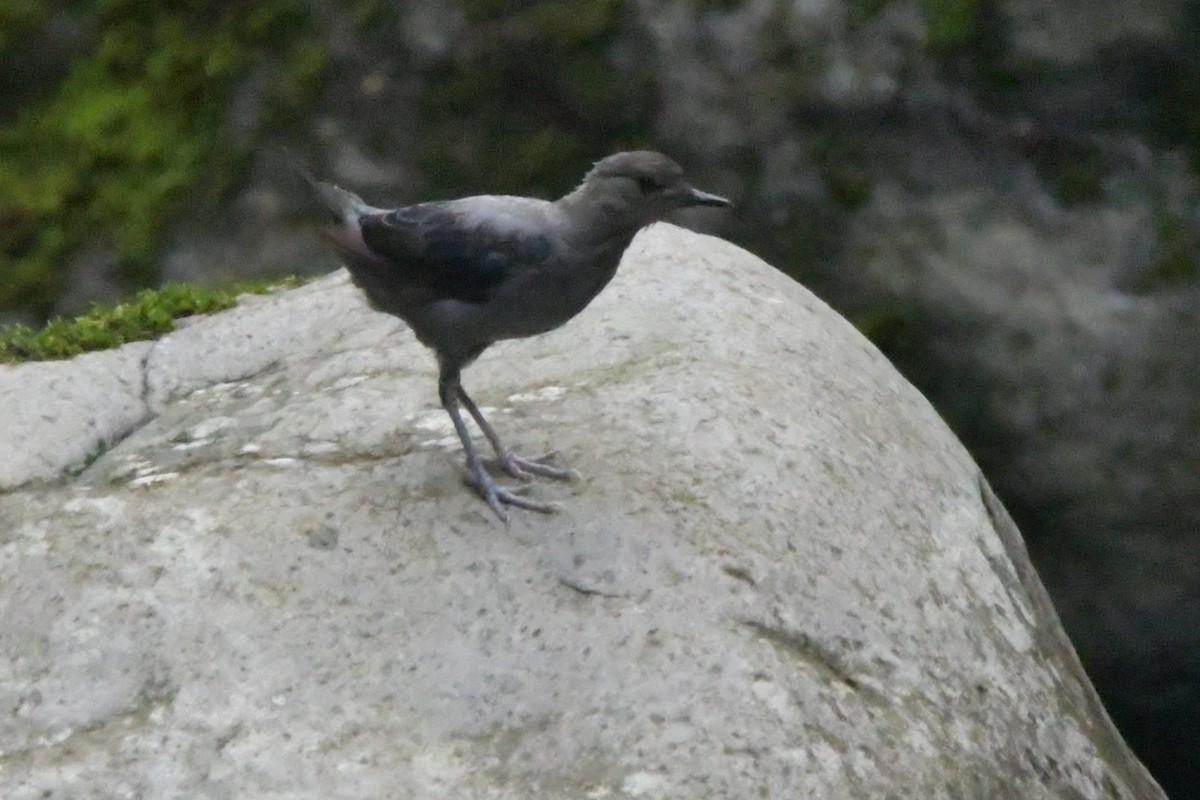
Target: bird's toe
(498, 497)
(525, 468)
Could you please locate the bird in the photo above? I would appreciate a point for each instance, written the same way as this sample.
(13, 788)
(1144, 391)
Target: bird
(466, 273)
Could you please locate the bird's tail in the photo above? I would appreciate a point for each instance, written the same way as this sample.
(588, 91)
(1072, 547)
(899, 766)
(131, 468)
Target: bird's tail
(347, 210)
(345, 206)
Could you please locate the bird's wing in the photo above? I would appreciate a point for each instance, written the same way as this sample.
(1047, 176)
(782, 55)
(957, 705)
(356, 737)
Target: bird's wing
(461, 249)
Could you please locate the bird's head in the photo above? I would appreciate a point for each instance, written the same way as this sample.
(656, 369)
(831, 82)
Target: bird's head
(639, 187)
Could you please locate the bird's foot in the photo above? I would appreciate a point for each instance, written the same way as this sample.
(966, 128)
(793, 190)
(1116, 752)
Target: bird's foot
(525, 468)
(497, 496)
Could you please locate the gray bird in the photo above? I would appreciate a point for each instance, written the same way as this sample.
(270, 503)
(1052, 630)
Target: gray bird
(467, 273)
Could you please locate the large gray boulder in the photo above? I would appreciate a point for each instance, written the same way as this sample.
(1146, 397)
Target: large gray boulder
(781, 577)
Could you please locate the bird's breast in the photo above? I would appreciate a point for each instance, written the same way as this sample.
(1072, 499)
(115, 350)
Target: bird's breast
(543, 299)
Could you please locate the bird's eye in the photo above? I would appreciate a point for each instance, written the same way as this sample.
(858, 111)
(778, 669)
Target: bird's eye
(649, 185)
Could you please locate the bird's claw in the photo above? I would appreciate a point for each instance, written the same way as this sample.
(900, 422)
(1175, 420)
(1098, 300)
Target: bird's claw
(497, 497)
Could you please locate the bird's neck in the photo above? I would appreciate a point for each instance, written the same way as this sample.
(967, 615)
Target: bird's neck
(599, 220)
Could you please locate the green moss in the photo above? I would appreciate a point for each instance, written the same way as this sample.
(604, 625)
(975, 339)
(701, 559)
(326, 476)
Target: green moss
(842, 163)
(1073, 170)
(149, 314)
(973, 40)
(133, 126)
(861, 11)
(18, 18)
(523, 107)
(889, 327)
(949, 23)
(1174, 119)
(1176, 258)
(799, 243)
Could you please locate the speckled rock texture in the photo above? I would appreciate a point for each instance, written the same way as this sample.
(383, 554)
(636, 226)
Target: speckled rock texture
(781, 576)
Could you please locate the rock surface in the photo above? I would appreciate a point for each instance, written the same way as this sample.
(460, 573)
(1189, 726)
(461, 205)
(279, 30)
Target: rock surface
(782, 577)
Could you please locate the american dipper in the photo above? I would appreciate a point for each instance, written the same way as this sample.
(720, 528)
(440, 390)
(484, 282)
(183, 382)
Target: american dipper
(467, 273)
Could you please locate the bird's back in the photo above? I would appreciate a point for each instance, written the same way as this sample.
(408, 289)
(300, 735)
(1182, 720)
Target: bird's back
(462, 273)
(465, 273)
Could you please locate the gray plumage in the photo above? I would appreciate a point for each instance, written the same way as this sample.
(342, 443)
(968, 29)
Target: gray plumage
(467, 273)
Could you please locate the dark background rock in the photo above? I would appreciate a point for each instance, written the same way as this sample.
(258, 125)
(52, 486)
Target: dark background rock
(1003, 195)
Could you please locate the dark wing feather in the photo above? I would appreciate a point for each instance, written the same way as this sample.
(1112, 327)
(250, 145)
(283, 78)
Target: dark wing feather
(433, 244)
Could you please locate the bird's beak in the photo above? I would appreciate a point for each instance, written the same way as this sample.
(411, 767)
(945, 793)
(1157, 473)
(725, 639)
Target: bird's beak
(695, 197)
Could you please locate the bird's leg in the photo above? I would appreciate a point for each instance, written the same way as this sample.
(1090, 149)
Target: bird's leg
(509, 461)
(496, 496)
